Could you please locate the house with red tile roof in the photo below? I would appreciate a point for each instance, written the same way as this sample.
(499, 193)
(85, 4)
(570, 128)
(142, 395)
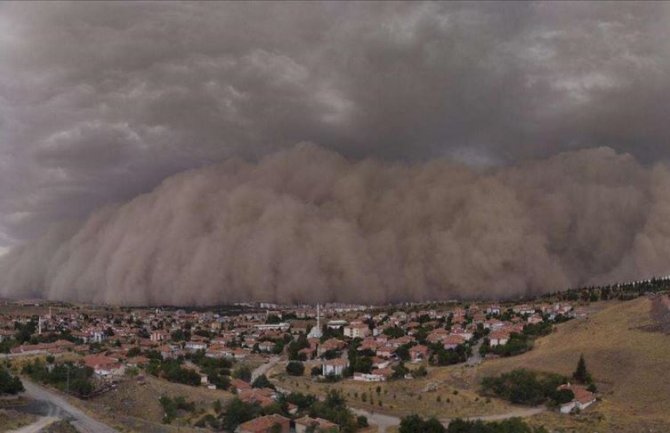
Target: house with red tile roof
(104, 366)
(419, 353)
(238, 385)
(498, 338)
(265, 424)
(583, 398)
(452, 341)
(316, 425)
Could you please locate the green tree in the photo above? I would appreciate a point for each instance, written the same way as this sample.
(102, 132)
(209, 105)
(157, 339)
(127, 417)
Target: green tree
(242, 372)
(582, 374)
(262, 382)
(295, 368)
(236, 412)
(399, 371)
(9, 384)
(415, 424)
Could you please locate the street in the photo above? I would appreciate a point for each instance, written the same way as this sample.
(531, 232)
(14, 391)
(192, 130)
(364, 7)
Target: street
(81, 421)
(264, 368)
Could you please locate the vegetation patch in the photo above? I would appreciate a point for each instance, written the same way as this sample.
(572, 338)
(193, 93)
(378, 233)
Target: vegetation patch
(528, 387)
(67, 377)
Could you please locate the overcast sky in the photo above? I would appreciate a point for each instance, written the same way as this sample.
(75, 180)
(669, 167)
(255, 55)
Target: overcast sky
(102, 101)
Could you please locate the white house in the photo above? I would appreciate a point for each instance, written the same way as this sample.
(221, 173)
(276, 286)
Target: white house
(369, 377)
(493, 309)
(356, 330)
(334, 367)
(583, 398)
(194, 346)
(498, 338)
(337, 324)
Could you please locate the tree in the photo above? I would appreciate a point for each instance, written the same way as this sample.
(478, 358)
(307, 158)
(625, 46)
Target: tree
(237, 412)
(524, 386)
(394, 332)
(415, 424)
(262, 382)
(242, 372)
(295, 368)
(294, 348)
(403, 352)
(563, 396)
(433, 425)
(180, 335)
(334, 409)
(411, 424)
(581, 374)
(399, 371)
(9, 384)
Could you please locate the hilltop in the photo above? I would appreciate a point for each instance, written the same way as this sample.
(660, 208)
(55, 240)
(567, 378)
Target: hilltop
(627, 353)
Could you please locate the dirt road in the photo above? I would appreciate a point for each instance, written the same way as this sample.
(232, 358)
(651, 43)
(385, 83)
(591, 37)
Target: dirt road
(81, 421)
(264, 368)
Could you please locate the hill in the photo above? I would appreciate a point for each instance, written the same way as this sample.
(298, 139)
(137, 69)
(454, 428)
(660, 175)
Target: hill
(629, 357)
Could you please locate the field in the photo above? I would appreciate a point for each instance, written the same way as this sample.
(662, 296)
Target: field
(442, 393)
(11, 419)
(630, 364)
(134, 407)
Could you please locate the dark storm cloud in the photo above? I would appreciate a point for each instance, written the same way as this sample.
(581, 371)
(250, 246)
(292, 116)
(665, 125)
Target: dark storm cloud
(100, 102)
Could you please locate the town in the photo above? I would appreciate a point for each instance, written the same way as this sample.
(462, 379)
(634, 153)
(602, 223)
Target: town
(264, 358)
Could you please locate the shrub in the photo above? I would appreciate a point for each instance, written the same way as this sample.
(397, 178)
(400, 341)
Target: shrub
(295, 368)
(9, 384)
(525, 387)
(242, 372)
(262, 382)
(416, 424)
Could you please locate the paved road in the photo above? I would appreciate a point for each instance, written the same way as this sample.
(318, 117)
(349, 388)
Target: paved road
(264, 368)
(521, 412)
(81, 421)
(380, 420)
(36, 426)
(476, 358)
(383, 422)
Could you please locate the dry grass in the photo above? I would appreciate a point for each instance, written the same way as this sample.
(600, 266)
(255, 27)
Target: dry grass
(440, 394)
(137, 402)
(630, 365)
(60, 427)
(11, 419)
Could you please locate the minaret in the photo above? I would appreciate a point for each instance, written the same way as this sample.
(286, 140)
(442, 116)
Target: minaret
(39, 325)
(315, 332)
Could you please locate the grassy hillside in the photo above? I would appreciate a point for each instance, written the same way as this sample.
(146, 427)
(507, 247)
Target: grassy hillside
(630, 364)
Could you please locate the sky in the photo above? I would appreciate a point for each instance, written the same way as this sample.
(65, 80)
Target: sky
(101, 102)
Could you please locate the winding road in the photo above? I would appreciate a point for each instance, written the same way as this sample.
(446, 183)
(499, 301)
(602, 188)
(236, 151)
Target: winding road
(383, 421)
(59, 407)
